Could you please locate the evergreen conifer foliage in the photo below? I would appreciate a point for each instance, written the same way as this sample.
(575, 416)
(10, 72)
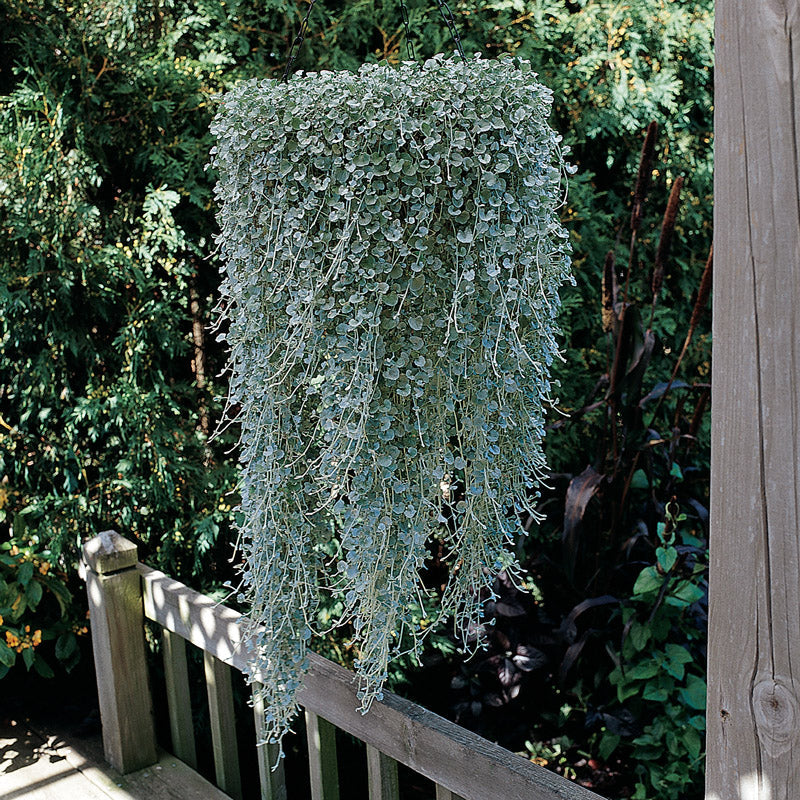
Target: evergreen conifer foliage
(393, 256)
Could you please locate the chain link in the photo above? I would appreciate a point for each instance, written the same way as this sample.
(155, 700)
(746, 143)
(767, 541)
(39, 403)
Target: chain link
(447, 14)
(409, 44)
(298, 41)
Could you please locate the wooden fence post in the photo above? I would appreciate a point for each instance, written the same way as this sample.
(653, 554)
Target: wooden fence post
(322, 765)
(753, 742)
(117, 627)
(382, 777)
(219, 689)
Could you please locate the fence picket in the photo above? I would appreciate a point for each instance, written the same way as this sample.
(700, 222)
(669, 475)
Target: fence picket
(431, 746)
(179, 701)
(273, 782)
(322, 765)
(382, 776)
(223, 726)
(446, 794)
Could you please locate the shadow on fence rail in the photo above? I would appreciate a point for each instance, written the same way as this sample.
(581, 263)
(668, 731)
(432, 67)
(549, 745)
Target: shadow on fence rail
(123, 592)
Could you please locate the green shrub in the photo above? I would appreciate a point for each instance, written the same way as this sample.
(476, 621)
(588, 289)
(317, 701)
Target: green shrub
(103, 233)
(107, 265)
(661, 671)
(106, 214)
(36, 611)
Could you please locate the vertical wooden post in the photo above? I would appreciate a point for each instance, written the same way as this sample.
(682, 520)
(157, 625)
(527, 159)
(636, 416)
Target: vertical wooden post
(754, 626)
(219, 689)
(179, 701)
(382, 778)
(117, 625)
(446, 794)
(273, 781)
(322, 764)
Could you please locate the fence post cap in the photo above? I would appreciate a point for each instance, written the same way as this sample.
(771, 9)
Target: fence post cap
(109, 552)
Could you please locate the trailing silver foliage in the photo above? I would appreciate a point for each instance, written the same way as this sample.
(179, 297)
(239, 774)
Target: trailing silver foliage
(393, 255)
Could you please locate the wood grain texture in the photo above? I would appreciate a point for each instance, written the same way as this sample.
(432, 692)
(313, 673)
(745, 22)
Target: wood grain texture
(323, 768)
(179, 701)
(382, 779)
(223, 726)
(271, 771)
(445, 794)
(117, 630)
(109, 552)
(754, 625)
(459, 760)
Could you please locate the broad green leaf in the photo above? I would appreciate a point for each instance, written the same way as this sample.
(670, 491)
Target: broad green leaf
(607, 746)
(648, 581)
(655, 692)
(42, 667)
(677, 653)
(33, 592)
(66, 644)
(25, 573)
(694, 695)
(643, 671)
(692, 742)
(7, 655)
(667, 556)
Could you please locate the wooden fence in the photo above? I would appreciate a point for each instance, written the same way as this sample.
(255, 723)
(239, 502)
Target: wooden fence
(754, 630)
(123, 592)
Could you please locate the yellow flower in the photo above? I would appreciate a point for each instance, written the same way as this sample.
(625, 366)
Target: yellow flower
(37, 638)
(43, 567)
(1, 619)
(11, 640)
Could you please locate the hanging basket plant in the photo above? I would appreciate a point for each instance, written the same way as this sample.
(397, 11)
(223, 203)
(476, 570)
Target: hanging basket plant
(393, 256)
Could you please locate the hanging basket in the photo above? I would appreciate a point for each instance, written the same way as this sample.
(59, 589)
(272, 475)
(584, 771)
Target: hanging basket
(393, 256)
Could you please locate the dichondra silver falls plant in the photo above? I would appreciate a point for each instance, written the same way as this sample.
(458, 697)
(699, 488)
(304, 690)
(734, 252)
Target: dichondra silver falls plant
(393, 255)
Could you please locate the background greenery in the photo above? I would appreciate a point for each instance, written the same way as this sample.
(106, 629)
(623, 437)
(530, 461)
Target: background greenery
(108, 385)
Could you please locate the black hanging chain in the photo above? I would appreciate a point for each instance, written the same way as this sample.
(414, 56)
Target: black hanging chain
(451, 24)
(409, 44)
(298, 41)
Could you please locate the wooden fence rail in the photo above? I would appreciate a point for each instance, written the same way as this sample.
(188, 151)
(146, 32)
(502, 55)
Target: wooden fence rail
(123, 592)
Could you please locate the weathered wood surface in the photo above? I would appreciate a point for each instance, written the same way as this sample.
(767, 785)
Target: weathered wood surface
(49, 766)
(179, 701)
(115, 607)
(209, 625)
(754, 625)
(323, 768)
(442, 751)
(382, 778)
(445, 794)
(271, 771)
(219, 689)
(109, 552)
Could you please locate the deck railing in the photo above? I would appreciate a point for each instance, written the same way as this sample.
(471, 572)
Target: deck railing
(123, 592)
